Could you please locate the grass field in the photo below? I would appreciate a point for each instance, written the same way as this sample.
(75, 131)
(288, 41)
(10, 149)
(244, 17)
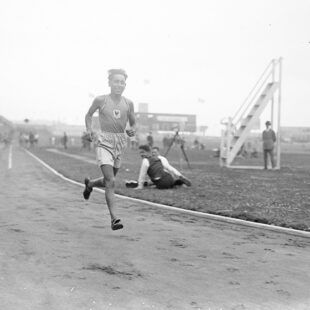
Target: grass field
(279, 198)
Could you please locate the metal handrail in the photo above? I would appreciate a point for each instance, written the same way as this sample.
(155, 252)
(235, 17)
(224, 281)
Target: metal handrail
(248, 100)
(258, 91)
(252, 90)
(273, 70)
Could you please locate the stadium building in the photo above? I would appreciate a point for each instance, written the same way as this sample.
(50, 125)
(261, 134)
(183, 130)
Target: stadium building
(166, 122)
(159, 122)
(295, 134)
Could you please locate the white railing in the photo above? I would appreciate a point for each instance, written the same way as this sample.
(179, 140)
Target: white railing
(269, 75)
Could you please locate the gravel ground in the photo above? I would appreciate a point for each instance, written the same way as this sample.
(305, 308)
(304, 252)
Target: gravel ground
(58, 252)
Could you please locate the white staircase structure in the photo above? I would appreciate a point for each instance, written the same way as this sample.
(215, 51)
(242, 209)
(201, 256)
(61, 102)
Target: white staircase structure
(238, 127)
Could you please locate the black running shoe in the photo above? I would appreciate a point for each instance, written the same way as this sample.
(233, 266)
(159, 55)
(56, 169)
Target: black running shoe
(87, 189)
(116, 224)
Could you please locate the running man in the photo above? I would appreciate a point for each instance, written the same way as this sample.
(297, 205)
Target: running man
(114, 113)
(157, 167)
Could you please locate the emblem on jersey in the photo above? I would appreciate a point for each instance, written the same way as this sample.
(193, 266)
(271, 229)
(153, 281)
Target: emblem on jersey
(117, 113)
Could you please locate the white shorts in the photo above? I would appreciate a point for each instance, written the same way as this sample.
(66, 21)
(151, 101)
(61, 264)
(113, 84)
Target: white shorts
(109, 148)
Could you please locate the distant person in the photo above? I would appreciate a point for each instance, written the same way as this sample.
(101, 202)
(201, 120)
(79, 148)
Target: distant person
(158, 169)
(31, 139)
(65, 140)
(36, 138)
(53, 140)
(150, 140)
(269, 139)
(114, 113)
(196, 144)
(136, 141)
(165, 141)
(20, 138)
(26, 139)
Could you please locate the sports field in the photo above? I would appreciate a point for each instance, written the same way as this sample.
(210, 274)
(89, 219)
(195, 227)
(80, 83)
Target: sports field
(58, 251)
(280, 198)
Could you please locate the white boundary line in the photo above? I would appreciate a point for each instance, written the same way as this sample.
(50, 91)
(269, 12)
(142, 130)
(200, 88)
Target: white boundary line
(214, 217)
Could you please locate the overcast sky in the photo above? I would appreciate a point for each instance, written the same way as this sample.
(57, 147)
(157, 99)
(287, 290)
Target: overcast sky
(181, 56)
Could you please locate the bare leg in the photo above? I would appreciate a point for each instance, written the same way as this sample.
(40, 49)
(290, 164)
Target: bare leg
(99, 182)
(108, 181)
(109, 173)
(96, 182)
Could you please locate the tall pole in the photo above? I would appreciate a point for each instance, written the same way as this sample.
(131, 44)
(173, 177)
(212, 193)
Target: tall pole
(229, 132)
(273, 80)
(222, 155)
(279, 116)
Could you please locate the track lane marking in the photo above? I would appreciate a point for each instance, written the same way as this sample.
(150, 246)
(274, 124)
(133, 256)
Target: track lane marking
(218, 218)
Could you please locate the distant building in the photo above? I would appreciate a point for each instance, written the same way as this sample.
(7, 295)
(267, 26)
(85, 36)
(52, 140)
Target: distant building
(166, 122)
(155, 122)
(295, 134)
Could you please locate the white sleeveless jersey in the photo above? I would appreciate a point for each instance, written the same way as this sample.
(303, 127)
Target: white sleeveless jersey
(113, 117)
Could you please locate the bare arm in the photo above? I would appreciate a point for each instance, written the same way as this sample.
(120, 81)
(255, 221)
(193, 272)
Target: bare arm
(143, 173)
(89, 115)
(131, 116)
(132, 120)
(168, 167)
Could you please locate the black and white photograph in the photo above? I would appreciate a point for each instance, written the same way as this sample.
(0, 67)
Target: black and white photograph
(154, 155)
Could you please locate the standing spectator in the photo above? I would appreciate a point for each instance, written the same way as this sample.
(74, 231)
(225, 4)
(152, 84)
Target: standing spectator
(53, 140)
(134, 142)
(165, 141)
(150, 140)
(36, 138)
(31, 139)
(196, 144)
(269, 138)
(65, 140)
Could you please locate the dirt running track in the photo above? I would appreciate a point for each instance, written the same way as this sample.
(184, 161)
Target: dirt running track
(58, 252)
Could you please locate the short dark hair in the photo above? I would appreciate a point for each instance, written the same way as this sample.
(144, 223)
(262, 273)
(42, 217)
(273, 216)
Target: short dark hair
(155, 148)
(268, 123)
(145, 148)
(111, 73)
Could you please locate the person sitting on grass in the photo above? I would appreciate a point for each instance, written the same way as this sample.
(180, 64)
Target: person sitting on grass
(157, 167)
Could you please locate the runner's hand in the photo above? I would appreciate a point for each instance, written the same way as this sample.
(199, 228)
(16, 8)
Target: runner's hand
(90, 136)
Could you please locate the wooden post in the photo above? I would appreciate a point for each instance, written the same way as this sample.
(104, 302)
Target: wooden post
(221, 155)
(279, 116)
(272, 100)
(228, 144)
